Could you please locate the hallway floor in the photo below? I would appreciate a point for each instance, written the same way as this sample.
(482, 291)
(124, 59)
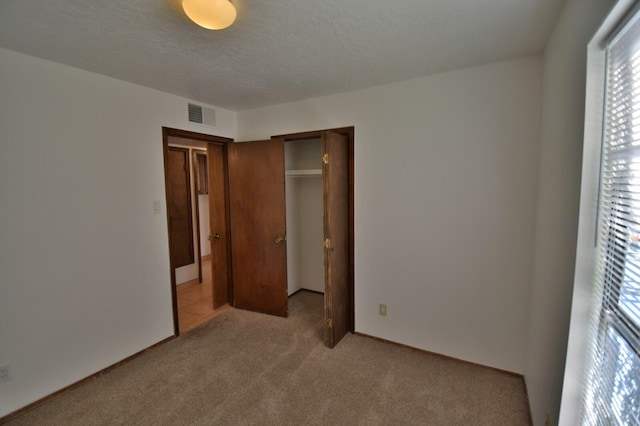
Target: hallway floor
(195, 301)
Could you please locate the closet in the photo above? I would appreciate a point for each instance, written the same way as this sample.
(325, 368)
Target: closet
(304, 214)
(270, 258)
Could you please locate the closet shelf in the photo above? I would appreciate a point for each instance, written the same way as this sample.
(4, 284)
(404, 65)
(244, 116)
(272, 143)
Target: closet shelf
(303, 173)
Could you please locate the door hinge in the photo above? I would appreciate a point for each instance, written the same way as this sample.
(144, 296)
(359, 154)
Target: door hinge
(327, 243)
(325, 158)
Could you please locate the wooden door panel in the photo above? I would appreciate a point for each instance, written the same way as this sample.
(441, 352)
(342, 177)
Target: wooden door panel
(218, 225)
(179, 208)
(335, 179)
(257, 208)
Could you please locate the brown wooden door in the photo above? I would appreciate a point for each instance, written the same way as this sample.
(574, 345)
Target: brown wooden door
(258, 228)
(335, 181)
(219, 237)
(179, 207)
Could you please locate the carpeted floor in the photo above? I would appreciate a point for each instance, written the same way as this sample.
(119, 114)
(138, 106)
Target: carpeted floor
(252, 369)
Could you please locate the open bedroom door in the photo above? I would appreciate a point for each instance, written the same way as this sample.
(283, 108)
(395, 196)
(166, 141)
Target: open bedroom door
(335, 188)
(258, 228)
(218, 235)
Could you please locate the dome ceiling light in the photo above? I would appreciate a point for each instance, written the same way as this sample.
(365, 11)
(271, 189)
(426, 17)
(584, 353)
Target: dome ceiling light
(210, 14)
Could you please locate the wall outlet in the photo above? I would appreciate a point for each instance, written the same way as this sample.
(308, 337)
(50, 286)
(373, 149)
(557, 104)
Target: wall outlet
(4, 373)
(382, 310)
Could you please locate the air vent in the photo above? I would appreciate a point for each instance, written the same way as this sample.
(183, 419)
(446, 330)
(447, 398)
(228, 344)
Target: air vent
(198, 114)
(195, 113)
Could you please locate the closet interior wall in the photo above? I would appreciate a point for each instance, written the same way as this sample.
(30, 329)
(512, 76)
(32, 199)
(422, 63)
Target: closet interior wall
(303, 189)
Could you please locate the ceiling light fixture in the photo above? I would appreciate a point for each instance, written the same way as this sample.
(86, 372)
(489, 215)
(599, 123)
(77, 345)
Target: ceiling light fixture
(210, 14)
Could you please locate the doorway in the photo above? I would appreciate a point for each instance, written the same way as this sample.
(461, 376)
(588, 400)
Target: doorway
(195, 191)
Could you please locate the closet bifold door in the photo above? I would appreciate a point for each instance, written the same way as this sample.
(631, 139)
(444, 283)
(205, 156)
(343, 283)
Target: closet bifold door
(335, 188)
(258, 227)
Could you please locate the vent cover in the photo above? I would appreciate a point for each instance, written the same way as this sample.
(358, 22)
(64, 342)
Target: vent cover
(195, 113)
(198, 114)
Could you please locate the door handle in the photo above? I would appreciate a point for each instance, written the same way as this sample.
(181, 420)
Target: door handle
(215, 236)
(281, 239)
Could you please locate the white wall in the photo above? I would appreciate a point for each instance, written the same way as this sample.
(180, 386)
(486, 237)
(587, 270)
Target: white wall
(84, 261)
(445, 190)
(558, 199)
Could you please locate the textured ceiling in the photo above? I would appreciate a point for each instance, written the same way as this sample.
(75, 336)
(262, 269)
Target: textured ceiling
(278, 50)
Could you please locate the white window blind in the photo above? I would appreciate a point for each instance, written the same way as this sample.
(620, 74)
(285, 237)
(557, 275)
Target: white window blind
(612, 395)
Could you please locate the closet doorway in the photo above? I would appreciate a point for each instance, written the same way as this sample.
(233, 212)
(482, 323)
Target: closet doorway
(258, 225)
(337, 179)
(304, 215)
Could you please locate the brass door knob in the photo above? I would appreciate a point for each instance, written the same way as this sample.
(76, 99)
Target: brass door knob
(280, 240)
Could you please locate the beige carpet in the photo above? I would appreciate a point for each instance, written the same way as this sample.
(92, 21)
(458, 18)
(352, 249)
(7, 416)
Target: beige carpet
(251, 369)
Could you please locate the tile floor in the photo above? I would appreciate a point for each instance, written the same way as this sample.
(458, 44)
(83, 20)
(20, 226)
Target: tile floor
(195, 302)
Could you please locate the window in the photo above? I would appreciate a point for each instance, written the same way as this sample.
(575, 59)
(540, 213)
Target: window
(612, 394)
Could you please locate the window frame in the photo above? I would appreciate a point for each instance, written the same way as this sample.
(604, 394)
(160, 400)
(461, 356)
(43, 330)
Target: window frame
(584, 301)
(587, 297)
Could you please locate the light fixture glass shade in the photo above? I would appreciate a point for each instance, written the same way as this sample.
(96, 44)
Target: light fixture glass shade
(210, 14)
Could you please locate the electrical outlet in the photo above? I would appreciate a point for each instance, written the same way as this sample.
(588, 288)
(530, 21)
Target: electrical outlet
(4, 373)
(383, 310)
